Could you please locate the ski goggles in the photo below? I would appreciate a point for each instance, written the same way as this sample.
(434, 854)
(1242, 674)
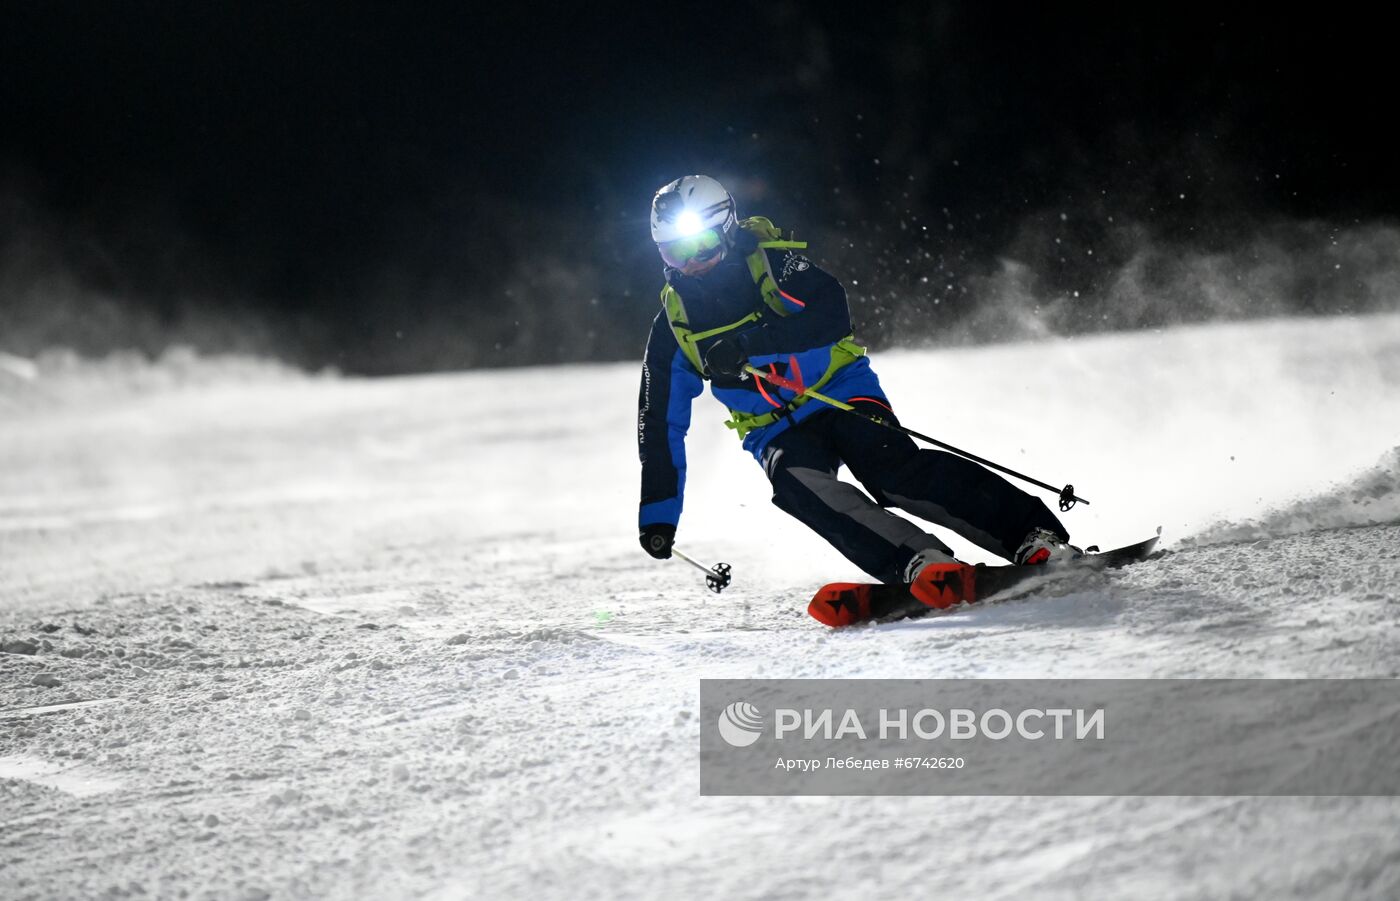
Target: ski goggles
(697, 248)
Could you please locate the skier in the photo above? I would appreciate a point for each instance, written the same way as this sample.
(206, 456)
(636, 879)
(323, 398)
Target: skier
(738, 294)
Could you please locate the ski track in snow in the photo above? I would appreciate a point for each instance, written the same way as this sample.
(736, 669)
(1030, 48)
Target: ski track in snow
(395, 638)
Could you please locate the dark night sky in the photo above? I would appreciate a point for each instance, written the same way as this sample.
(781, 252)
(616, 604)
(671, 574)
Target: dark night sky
(391, 187)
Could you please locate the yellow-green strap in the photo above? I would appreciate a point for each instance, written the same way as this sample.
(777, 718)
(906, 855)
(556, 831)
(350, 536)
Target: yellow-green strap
(817, 395)
(843, 353)
(810, 393)
(710, 333)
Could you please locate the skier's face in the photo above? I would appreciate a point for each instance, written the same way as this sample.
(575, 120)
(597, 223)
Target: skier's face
(697, 268)
(694, 254)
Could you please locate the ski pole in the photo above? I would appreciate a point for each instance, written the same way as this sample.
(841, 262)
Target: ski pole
(716, 577)
(1067, 496)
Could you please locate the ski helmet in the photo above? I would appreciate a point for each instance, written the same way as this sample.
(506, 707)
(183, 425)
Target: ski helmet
(691, 220)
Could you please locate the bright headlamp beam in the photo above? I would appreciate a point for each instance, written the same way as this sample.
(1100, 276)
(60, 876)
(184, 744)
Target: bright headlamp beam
(689, 223)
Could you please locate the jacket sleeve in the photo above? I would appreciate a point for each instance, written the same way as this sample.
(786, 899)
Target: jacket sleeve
(820, 312)
(669, 384)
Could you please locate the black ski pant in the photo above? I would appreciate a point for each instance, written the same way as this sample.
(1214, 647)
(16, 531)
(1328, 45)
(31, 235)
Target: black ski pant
(939, 487)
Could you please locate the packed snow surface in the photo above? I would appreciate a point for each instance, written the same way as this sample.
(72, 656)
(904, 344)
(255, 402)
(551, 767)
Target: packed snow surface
(282, 637)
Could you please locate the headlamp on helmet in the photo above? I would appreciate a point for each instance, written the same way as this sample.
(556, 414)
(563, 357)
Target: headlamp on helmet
(691, 219)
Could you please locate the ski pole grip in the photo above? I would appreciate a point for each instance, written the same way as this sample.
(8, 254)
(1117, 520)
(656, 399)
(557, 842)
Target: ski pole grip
(774, 379)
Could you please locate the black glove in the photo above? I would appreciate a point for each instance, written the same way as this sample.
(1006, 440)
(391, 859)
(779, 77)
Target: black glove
(657, 539)
(725, 357)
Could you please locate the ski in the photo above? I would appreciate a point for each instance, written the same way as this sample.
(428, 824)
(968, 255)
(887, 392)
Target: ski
(851, 603)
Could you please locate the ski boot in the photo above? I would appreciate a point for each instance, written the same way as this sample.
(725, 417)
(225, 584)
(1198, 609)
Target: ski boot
(1044, 546)
(939, 581)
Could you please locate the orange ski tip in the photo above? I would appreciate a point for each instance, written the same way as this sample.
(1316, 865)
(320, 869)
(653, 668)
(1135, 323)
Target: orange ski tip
(840, 604)
(944, 585)
(824, 613)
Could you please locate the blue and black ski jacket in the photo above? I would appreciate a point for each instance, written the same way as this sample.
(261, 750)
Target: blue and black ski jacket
(818, 319)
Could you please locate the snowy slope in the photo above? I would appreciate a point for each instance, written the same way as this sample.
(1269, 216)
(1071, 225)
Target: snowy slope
(396, 638)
